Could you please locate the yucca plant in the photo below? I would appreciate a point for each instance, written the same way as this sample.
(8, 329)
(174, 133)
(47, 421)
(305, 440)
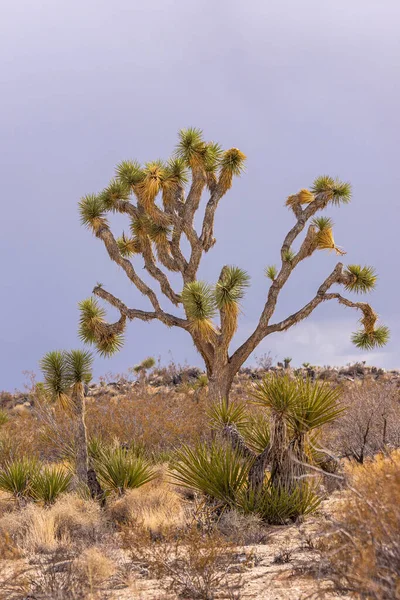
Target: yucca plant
(119, 470)
(16, 477)
(49, 483)
(65, 374)
(279, 395)
(318, 403)
(161, 200)
(277, 506)
(217, 470)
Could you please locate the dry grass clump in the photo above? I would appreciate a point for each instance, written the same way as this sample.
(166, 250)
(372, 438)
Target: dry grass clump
(156, 507)
(71, 521)
(94, 566)
(242, 529)
(363, 543)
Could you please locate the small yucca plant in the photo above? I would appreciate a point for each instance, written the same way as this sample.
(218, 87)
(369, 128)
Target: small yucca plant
(16, 477)
(276, 505)
(119, 470)
(49, 483)
(218, 471)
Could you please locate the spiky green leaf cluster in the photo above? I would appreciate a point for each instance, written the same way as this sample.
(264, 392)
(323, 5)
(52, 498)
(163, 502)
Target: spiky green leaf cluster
(367, 341)
(54, 370)
(271, 272)
(277, 393)
(116, 190)
(119, 470)
(361, 279)
(92, 211)
(199, 300)
(49, 483)
(176, 170)
(233, 160)
(277, 506)
(218, 471)
(63, 369)
(191, 144)
(128, 246)
(339, 191)
(322, 223)
(78, 365)
(212, 156)
(288, 255)
(91, 313)
(129, 173)
(158, 233)
(256, 433)
(318, 404)
(227, 413)
(231, 287)
(16, 477)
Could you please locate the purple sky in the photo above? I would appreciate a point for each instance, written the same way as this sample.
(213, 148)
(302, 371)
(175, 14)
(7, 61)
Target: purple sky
(303, 88)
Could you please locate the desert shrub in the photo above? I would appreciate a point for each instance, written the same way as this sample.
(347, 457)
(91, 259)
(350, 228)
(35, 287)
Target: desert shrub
(277, 506)
(370, 423)
(216, 470)
(362, 542)
(17, 476)
(49, 483)
(4, 418)
(119, 470)
(157, 508)
(242, 529)
(70, 522)
(191, 565)
(61, 577)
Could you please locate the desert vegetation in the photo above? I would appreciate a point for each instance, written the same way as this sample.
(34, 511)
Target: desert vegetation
(168, 482)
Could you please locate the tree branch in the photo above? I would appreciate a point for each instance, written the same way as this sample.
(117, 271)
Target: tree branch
(131, 313)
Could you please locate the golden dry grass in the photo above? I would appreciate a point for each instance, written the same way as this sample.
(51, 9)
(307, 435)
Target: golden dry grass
(363, 544)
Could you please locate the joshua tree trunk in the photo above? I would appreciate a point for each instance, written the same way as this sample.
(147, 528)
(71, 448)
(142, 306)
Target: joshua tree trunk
(282, 472)
(80, 433)
(220, 383)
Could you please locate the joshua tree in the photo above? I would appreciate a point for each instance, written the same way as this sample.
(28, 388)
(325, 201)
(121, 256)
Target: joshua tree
(66, 374)
(160, 232)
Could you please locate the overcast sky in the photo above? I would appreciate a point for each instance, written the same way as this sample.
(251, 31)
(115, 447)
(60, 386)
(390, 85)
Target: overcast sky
(302, 87)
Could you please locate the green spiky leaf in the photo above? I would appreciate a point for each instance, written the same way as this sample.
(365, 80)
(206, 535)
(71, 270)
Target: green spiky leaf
(191, 144)
(92, 211)
(115, 191)
(317, 405)
(78, 366)
(271, 272)
(231, 286)
(362, 279)
(158, 233)
(288, 255)
(322, 223)
(339, 191)
(233, 160)
(212, 156)
(176, 171)
(279, 393)
(129, 173)
(227, 413)
(367, 341)
(55, 372)
(199, 300)
(91, 313)
(128, 246)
